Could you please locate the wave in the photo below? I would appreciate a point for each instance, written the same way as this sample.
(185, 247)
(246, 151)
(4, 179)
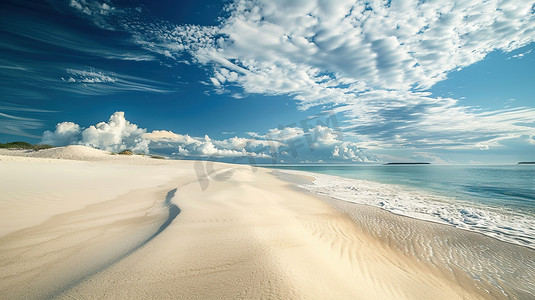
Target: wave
(501, 223)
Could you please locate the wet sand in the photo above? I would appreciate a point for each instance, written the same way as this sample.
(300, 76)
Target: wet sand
(501, 269)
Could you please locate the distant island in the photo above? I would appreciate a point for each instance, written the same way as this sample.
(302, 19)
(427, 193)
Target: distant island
(526, 163)
(408, 163)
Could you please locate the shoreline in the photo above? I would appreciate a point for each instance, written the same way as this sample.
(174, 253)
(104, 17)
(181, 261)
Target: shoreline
(241, 232)
(404, 196)
(458, 254)
(512, 256)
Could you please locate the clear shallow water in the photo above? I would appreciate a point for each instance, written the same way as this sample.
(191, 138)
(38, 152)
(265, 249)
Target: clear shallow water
(498, 201)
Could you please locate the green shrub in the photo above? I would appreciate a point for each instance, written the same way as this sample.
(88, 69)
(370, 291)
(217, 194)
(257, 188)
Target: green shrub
(24, 145)
(16, 145)
(38, 147)
(157, 157)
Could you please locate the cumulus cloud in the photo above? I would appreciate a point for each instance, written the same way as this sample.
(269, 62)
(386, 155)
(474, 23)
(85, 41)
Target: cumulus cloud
(66, 133)
(318, 143)
(350, 151)
(374, 60)
(185, 145)
(115, 135)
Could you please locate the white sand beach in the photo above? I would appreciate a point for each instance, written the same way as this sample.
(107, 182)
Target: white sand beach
(76, 222)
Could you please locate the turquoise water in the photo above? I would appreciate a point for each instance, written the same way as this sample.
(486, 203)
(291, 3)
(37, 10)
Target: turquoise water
(498, 201)
(511, 186)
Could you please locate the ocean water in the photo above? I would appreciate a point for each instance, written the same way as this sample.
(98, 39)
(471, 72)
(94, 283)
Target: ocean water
(497, 201)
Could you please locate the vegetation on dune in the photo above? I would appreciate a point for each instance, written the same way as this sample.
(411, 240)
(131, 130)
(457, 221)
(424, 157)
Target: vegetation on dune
(16, 145)
(38, 147)
(129, 152)
(24, 145)
(126, 152)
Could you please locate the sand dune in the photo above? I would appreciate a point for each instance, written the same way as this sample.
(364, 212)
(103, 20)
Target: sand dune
(100, 228)
(73, 152)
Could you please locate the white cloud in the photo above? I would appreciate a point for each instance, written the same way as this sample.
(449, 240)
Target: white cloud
(163, 135)
(378, 45)
(17, 125)
(350, 151)
(91, 76)
(19, 119)
(76, 5)
(520, 55)
(285, 144)
(395, 119)
(97, 10)
(66, 133)
(93, 81)
(483, 146)
(372, 59)
(325, 135)
(185, 145)
(115, 135)
(286, 133)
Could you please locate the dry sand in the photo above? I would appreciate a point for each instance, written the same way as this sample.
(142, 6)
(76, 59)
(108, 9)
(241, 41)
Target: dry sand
(105, 227)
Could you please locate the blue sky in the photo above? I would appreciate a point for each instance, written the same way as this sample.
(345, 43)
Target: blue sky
(273, 81)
